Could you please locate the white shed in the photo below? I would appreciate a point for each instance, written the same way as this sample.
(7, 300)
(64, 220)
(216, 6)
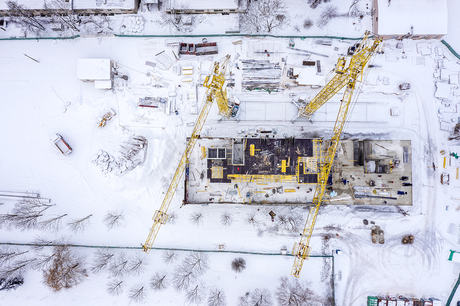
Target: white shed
(98, 71)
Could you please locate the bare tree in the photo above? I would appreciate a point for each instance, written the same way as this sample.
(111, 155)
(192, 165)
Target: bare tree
(65, 271)
(196, 295)
(326, 15)
(182, 279)
(244, 300)
(20, 220)
(169, 256)
(24, 215)
(24, 17)
(264, 16)
(102, 259)
(115, 287)
(172, 218)
(159, 281)
(99, 25)
(79, 225)
(33, 204)
(196, 219)
(307, 23)
(120, 265)
(61, 12)
(226, 219)
(40, 242)
(137, 293)
(177, 22)
(16, 268)
(261, 297)
(455, 133)
(314, 3)
(8, 254)
(217, 297)
(52, 224)
(251, 219)
(196, 262)
(292, 222)
(43, 261)
(114, 219)
(238, 264)
(8, 284)
(295, 294)
(136, 265)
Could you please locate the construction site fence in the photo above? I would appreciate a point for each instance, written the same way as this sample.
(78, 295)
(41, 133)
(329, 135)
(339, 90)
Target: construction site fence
(242, 35)
(450, 49)
(451, 296)
(153, 248)
(174, 249)
(218, 35)
(39, 38)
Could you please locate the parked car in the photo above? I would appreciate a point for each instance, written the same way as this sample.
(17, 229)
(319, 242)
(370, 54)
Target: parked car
(62, 145)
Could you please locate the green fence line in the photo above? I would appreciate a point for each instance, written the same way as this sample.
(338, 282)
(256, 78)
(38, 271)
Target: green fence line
(153, 248)
(449, 300)
(241, 35)
(333, 283)
(450, 49)
(36, 38)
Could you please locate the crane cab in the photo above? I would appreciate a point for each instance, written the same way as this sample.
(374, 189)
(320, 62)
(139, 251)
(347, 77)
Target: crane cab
(340, 68)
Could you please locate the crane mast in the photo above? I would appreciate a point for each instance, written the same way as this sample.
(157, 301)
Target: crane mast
(215, 83)
(345, 77)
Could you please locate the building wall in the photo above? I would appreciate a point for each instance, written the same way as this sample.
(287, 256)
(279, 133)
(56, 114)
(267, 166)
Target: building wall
(375, 18)
(204, 11)
(414, 37)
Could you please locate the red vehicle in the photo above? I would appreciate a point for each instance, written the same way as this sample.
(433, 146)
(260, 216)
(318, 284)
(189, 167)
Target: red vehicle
(62, 145)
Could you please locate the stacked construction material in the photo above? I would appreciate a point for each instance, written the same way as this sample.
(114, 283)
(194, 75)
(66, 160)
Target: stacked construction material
(260, 74)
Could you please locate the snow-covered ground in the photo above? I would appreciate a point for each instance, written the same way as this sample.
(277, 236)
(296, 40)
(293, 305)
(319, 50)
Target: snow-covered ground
(44, 98)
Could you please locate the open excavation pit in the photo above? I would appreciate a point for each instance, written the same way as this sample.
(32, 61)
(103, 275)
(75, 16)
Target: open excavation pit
(269, 170)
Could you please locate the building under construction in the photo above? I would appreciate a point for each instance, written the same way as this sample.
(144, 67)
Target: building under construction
(269, 170)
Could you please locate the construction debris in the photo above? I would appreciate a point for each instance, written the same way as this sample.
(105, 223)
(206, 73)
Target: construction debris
(260, 74)
(133, 154)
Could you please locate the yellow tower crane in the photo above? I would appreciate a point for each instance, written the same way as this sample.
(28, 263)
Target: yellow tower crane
(362, 52)
(346, 77)
(215, 83)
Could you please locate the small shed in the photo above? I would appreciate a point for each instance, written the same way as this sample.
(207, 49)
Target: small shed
(99, 71)
(415, 19)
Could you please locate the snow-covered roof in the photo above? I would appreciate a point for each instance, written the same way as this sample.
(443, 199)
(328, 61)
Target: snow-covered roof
(103, 4)
(30, 4)
(425, 16)
(203, 4)
(442, 90)
(77, 4)
(93, 69)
